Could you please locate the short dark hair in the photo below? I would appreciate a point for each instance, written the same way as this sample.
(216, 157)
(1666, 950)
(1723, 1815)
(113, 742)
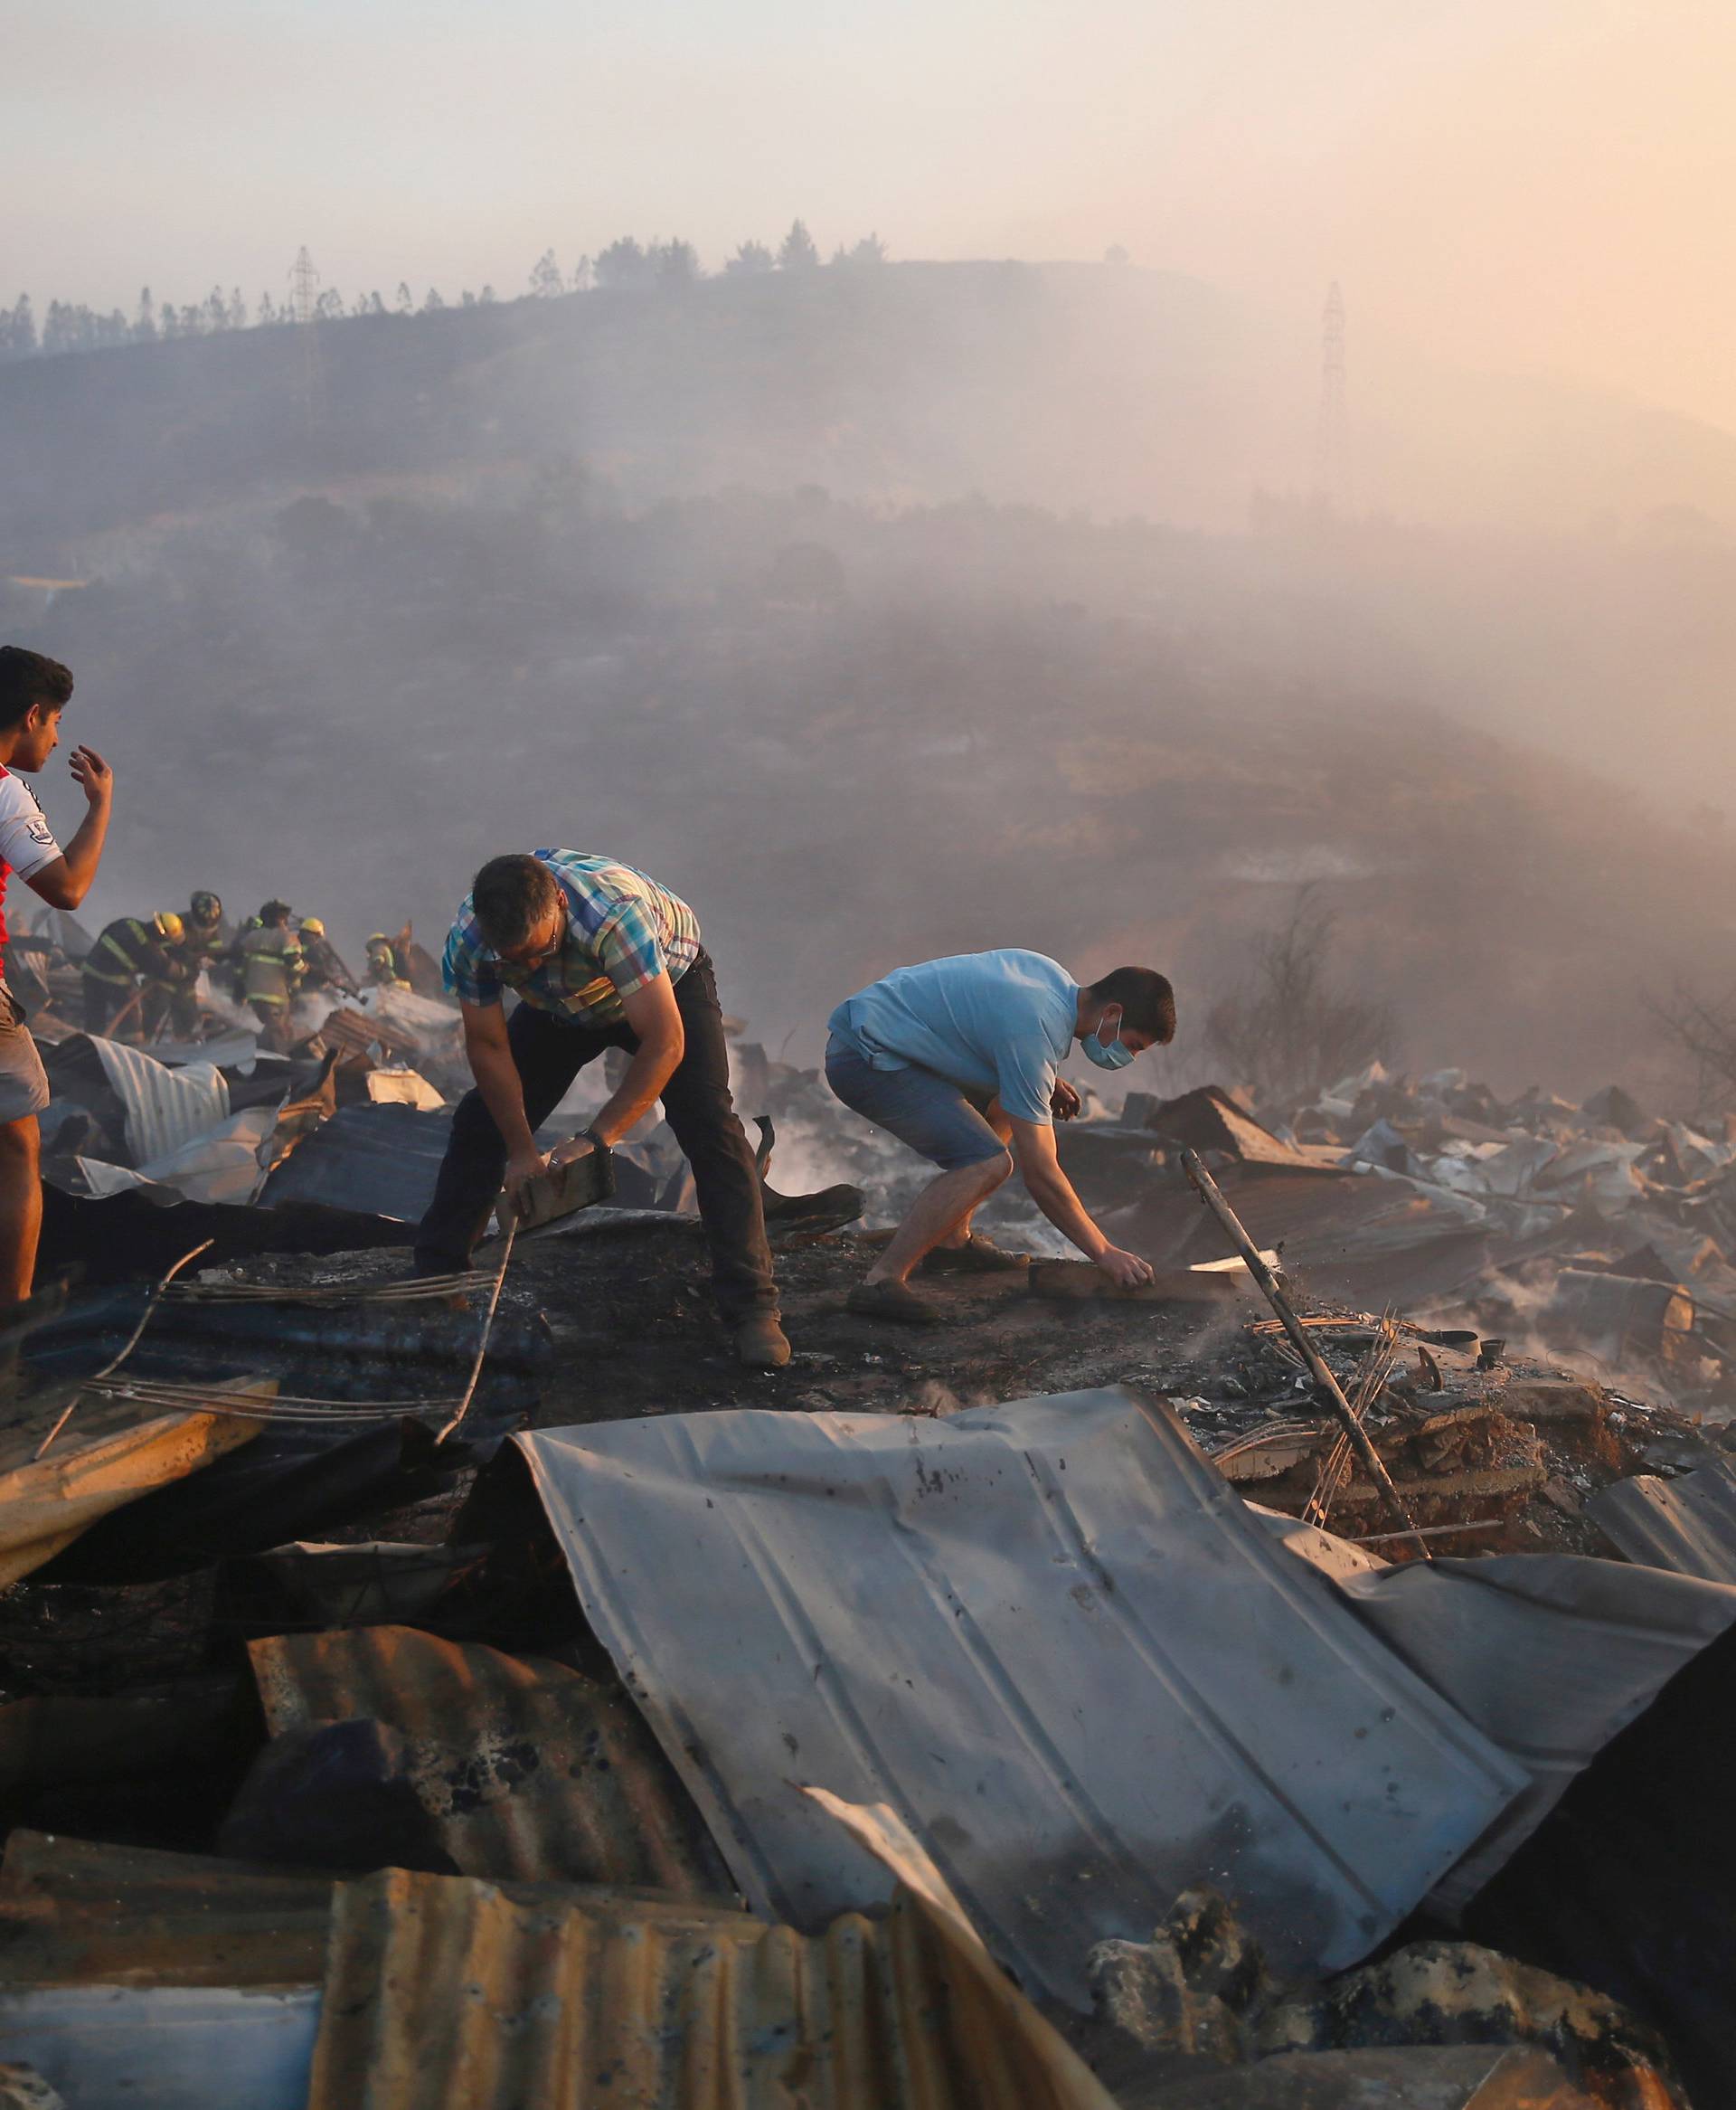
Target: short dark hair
(1147, 1000)
(510, 895)
(28, 679)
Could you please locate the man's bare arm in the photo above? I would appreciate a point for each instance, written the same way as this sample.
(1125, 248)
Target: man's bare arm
(503, 1092)
(65, 883)
(1034, 1145)
(655, 1020)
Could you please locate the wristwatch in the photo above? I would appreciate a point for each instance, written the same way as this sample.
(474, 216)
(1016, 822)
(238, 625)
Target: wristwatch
(596, 1140)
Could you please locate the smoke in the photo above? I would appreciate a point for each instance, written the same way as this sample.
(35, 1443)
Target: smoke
(694, 578)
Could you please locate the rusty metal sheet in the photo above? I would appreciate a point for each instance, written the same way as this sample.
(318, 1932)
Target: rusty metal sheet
(531, 1771)
(1687, 1526)
(109, 1453)
(1049, 1637)
(74, 1912)
(444, 1993)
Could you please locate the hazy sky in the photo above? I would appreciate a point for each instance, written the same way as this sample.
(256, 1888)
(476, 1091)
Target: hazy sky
(1529, 182)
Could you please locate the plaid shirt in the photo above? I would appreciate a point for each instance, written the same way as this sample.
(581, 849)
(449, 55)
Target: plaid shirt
(623, 930)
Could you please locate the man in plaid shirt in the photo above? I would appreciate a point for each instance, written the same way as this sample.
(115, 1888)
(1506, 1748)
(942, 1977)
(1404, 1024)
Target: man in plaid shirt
(599, 956)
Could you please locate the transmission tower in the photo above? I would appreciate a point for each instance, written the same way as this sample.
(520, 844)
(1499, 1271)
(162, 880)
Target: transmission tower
(304, 307)
(1331, 438)
(303, 288)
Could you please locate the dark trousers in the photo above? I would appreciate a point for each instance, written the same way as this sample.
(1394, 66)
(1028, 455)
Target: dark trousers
(549, 1053)
(103, 1003)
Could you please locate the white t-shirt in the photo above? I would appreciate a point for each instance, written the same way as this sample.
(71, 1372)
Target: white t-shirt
(26, 840)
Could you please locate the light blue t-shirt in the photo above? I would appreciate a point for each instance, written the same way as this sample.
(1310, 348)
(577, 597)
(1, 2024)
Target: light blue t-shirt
(994, 1022)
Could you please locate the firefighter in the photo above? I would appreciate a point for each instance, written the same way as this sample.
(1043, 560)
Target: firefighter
(207, 942)
(271, 970)
(383, 971)
(208, 936)
(131, 975)
(324, 970)
(235, 958)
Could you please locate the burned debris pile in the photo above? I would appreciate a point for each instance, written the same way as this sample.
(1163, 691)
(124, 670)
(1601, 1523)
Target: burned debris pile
(483, 1690)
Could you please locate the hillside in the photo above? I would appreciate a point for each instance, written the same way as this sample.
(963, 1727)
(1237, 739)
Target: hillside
(1118, 390)
(857, 739)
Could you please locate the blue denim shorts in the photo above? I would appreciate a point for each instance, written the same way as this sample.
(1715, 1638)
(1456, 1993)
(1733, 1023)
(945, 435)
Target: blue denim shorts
(937, 1117)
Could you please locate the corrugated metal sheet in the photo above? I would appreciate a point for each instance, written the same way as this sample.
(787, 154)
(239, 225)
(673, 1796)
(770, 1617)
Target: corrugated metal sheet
(234, 1048)
(530, 1770)
(1687, 1526)
(73, 1912)
(165, 1108)
(109, 1454)
(1049, 1637)
(1550, 1655)
(222, 1165)
(448, 1994)
(354, 1033)
(384, 1159)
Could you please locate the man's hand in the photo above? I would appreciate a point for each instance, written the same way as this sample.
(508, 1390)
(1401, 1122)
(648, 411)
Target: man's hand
(96, 780)
(1064, 1102)
(1126, 1270)
(521, 1169)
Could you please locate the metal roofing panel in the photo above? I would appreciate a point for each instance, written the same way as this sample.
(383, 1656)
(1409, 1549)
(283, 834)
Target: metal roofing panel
(1208, 1119)
(110, 1452)
(1049, 1637)
(165, 1108)
(75, 1912)
(384, 1159)
(444, 1993)
(1687, 1526)
(1550, 1654)
(530, 1770)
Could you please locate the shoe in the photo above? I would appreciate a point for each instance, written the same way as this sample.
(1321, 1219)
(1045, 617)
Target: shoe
(976, 1255)
(894, 1301)
(761, 1343)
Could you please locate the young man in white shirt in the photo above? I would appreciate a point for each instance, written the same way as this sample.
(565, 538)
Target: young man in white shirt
(33, 691)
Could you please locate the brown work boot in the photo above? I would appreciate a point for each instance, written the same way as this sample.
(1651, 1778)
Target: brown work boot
(760, 1342)
(894, 1301)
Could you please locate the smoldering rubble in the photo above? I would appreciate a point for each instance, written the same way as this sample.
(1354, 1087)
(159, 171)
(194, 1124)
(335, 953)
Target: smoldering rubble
(487, 1690)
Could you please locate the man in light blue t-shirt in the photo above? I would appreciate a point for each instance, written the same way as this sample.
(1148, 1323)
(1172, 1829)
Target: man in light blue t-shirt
(959, 1059)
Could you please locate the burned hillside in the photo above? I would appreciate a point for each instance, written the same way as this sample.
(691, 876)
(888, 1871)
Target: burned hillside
(988, 725)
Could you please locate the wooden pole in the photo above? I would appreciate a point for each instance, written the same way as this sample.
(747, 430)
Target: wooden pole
(124, 1014)
(1328, 1385)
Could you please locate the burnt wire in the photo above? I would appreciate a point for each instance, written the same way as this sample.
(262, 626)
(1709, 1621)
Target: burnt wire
(133, 1339)
(1372, 1374)
(173, 1397)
